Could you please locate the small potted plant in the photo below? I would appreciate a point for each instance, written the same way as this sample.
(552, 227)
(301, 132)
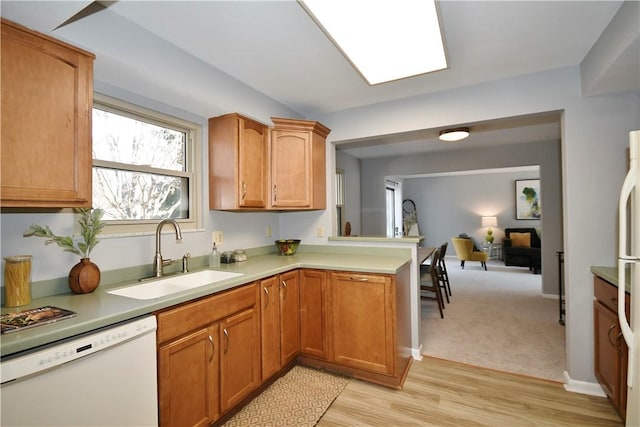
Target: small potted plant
(84, 277)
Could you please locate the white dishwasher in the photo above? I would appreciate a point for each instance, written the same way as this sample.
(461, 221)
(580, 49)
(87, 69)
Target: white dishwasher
(104, 378)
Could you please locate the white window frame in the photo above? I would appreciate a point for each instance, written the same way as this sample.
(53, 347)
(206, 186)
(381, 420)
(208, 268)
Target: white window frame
(340, 199)
(193, 164)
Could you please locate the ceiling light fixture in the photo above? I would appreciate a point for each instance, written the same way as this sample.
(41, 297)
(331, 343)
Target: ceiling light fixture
(452, 135)
(383, 40)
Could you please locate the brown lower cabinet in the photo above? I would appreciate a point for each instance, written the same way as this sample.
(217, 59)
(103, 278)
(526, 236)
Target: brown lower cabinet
(351, 322)
(362, 314)
(216, 352)
(611, 351)
(208, 356)
(280, 322)
(314, 294)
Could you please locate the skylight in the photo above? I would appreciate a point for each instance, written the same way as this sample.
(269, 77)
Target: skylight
(385, 40)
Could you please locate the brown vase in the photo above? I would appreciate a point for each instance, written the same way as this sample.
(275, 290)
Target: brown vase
(84, 277)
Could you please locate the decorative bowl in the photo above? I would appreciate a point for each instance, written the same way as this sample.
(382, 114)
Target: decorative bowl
(287, 246)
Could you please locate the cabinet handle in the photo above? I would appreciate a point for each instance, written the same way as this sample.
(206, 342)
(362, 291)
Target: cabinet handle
(359, 278)
(284, 285)
(275, 192)
(614, 301)
(213, 348)
(244, 190)
(266, 292)
(226, 340)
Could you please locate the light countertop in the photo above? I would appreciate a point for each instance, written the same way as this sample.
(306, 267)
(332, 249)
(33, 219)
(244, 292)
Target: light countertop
(100, 309)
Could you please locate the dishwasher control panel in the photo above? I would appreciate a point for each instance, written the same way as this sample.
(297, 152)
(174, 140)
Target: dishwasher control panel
(75, 348)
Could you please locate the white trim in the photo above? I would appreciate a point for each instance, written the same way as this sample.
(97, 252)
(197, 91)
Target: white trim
(194, 159)
(582, 387)
(416, 353)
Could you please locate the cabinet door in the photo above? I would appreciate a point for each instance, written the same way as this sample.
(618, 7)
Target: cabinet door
(238, 153)
(291, 169)
(188, 380)
(298, 164)
(47, 100)
(363, 313)
(608, 352)
(289, 316)
(252, 164)
(270, 321)
(314, 338)
(239, 357)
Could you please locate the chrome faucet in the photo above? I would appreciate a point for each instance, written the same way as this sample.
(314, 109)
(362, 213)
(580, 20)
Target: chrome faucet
(158, 262)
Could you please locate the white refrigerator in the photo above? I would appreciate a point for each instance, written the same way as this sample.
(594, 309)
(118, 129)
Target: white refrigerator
(629, 258)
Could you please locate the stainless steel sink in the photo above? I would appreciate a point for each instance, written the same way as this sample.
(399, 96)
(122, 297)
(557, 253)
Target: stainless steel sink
(173, 284)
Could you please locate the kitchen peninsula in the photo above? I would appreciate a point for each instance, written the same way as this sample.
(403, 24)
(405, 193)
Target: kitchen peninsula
(396, 244)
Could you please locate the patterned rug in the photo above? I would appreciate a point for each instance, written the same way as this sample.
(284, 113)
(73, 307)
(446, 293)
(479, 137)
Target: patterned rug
(299, 398)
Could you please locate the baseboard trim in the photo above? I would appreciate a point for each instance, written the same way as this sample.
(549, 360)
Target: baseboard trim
(416, 353)
(582, 387)
(550, 296)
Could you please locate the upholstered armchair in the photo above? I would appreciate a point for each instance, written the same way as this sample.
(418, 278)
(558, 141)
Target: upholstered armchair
(521, 247)
(465, 252)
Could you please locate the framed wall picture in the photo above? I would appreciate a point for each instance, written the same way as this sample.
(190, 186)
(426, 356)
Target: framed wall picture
(528, 200)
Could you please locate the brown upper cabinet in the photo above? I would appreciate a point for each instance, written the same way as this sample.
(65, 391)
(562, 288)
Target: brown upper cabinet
(254, 167)
(298, 164)
(47, 101)
(238, 160)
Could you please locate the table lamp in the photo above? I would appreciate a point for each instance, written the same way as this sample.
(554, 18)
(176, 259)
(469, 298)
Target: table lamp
(489, 221)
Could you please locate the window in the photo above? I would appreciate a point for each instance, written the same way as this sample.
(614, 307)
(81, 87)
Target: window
(339, 198)
(145, 167)
(392, 230)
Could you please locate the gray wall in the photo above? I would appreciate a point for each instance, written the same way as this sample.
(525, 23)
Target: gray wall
(450, 205)
(470, 196)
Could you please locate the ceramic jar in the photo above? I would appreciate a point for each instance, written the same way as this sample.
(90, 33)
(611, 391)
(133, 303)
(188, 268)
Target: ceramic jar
(84, 277)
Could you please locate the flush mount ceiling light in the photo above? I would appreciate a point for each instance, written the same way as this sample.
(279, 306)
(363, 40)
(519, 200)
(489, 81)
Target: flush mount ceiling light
(452, 135)
(384, 40)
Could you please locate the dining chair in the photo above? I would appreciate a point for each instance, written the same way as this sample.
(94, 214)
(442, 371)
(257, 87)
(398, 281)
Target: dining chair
(430, 281)
(443, 267)
(440, 271)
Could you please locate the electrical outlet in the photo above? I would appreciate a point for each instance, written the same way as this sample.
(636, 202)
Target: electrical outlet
(268, 231)
(217, 237)
(320, 231)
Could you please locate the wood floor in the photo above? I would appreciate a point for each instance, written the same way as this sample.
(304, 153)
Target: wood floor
(443, 393)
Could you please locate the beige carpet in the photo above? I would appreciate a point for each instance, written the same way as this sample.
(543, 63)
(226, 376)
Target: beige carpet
(497, 319)
(299, 398)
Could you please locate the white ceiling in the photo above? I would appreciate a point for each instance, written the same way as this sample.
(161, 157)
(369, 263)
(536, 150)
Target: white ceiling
(277, 49)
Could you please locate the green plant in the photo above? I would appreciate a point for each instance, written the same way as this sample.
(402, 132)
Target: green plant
(91, 225)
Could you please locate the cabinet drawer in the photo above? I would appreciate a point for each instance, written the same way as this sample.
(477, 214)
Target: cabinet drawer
(361, 277)
(607, 295)
(177, 321)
